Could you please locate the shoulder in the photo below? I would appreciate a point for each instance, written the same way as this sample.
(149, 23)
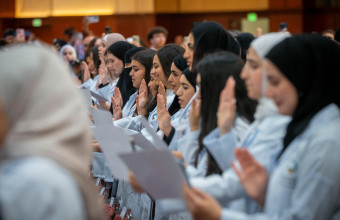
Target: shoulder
(39, 184)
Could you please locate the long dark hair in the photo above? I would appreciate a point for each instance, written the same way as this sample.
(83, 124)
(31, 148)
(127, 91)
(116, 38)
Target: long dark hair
(95, 55)
(167, 55)
(145, 57)
(214, 70)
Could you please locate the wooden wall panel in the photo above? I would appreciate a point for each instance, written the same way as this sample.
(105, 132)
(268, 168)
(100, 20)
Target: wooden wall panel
(320, 20)
(7, 8)
(32, 8)
(293, 19)
(54, 27)
(167, 6)
(285, 4)
(222, 5)
(145, 6)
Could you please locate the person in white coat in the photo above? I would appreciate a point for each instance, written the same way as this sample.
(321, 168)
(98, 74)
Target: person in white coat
(303, 84)
(263, 138)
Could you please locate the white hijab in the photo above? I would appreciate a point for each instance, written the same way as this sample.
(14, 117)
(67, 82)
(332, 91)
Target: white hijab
(67, 46)
(46, 114)
(262, 46)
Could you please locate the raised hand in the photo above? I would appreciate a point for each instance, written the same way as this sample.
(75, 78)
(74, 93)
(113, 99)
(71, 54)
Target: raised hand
(163, 116)
(253, 176)
(117, 96)
(103, 73)
(142, 99)
(226, 112)
(85, 70)
(195, 113)
(201, 205)
(161, 91)
(117, 103)
(117, 113)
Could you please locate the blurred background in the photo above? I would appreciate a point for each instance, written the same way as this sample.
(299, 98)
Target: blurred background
(49, 19)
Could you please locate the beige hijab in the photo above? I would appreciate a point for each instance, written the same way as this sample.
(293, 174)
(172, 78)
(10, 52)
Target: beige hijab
(47, 116)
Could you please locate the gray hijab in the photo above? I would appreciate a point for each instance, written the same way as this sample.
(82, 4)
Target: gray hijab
(46, 114)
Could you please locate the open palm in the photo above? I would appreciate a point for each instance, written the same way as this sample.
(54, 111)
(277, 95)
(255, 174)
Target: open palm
(253, 176)
(226, 112)
(163, 116)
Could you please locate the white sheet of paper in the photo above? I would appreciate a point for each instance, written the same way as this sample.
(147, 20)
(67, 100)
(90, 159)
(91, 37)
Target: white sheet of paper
(157, 172)
(113, 141)
(142, 142)
(87, 96)
(160, 144)
(98, 97)
(101, 117)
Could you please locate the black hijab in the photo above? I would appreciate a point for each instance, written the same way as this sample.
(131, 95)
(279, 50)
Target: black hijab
(124, 83)
(131, 52)
(209, 37)
(311, 64)
(180, 62)
(190, 76)
(244, 39)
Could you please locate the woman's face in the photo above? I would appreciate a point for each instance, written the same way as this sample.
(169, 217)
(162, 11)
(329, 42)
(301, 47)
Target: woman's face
(189, 51)
(90, 64)
(137, 73)
(68, 55)
(4, 125)
(252, 74)
(114, 65)
(158, 73)
(109, 64)
(153, 86)
(174, 78)
(185, 92)
(280, 89)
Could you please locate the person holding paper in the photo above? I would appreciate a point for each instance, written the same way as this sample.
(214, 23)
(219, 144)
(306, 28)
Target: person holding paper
(117, 52)
(44, 147)
(146, 102)
(141, 64)
(203, 118)
(263, 138)
(160, 72)
(185, 92)
(303, 84)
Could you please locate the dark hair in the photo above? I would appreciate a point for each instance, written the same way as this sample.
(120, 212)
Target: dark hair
(244, 39)
(93, 42)
(145, 57)
(3, 43)
(180, 62)
(9, 32)
(210, 37)
(95, 55)
(157, 30)
(337, 35)
(59, 42)
(214, 70)
(69, 31)
(166, 56)
(131, 52)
